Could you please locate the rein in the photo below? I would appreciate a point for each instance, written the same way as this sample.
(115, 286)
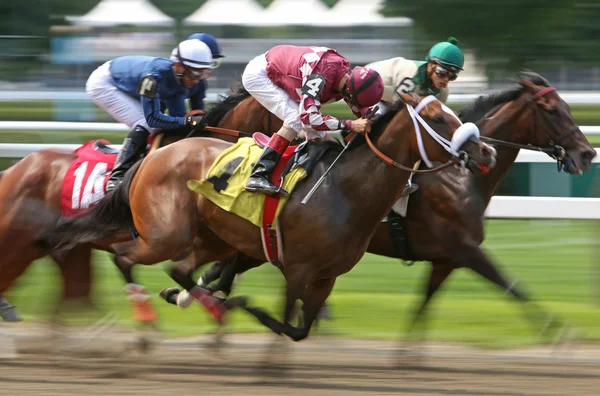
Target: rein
(222, 131)
(414, 114)
(392, 162)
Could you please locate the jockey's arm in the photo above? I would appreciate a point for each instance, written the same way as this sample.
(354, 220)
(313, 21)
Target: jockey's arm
(176, 106)
(197, 98)
(311, 117)
(155, 118)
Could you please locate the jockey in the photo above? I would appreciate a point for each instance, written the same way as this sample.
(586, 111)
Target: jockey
(136, 90)
(430, 77)
(292, 82)
(214, 46)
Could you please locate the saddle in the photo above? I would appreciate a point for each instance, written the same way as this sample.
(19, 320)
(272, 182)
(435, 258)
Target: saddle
(226, 180)
(306, 154)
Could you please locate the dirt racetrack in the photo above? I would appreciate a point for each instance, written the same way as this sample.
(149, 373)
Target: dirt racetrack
(318, 366)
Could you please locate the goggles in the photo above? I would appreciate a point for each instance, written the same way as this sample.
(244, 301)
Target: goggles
(445, 72)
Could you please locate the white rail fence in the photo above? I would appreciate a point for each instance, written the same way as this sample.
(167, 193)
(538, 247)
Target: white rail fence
(119, 128)
(502, 207)
(573, 97)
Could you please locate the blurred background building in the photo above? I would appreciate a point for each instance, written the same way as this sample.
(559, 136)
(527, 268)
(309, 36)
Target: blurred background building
(55, 44)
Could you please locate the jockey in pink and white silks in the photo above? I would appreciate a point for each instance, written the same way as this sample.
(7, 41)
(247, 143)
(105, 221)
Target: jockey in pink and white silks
(292, 83)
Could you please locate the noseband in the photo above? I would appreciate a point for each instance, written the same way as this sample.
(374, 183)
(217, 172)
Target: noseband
(458, 157)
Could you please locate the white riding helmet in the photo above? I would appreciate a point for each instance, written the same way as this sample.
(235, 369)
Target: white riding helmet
(194, 54)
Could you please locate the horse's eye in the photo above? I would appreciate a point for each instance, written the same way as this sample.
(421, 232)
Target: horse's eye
(438, 119)
(553, 111)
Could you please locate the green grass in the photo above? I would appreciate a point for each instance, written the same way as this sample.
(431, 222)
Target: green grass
(553, 259)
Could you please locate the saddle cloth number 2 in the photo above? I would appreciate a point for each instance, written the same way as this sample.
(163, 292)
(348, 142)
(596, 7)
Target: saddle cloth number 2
(94, 185)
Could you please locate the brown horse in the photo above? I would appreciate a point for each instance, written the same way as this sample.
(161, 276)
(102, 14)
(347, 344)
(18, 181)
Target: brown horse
(449, 206)
(340, 217)
(39, 176)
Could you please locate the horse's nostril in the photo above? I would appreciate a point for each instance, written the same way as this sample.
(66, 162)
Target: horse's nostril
(487, 151)
(588, 154)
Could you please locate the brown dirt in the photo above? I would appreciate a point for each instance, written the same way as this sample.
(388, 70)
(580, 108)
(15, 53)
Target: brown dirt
(318, 366)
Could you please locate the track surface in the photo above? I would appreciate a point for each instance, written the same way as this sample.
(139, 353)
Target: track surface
(320, 366)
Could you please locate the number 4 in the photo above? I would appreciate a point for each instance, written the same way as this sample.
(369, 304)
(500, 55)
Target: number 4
(314, 86)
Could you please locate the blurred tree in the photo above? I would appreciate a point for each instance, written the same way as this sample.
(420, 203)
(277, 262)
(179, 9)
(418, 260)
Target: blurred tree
(508, 34)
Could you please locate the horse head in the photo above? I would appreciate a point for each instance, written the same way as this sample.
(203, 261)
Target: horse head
(446, 136)
(552, 125)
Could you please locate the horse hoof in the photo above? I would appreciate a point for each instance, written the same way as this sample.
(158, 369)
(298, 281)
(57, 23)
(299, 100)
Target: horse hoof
(169, 294)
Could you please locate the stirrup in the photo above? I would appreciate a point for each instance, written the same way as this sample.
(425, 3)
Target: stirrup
(111, 184)
(409, 189)
(264, 187)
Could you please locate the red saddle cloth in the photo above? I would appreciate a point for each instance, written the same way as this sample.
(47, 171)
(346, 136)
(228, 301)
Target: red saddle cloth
(85, 181)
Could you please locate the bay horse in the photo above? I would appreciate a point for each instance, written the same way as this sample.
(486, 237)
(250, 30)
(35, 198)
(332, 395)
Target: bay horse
(322, 239)
(444, 221)
(39, 176)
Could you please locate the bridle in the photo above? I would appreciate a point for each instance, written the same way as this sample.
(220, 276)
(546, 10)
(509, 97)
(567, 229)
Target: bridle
(459, 157)
(555, 151)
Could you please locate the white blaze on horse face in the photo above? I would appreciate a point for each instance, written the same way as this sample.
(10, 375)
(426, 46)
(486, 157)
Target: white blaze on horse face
(462, 134)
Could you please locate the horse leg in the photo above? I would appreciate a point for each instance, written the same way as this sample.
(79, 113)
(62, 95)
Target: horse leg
(237, 265)
(213, 305)
(143, 312)
(482, 265)
(76, 270)
(206, 248)
(314, 299)
(439, 272)
(293, 292)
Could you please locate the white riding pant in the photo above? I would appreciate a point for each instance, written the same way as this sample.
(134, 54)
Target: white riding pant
(274, 98)
(122, 107)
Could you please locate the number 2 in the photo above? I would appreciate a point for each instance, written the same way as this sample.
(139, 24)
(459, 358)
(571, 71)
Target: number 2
(94, 187)
(407, 85)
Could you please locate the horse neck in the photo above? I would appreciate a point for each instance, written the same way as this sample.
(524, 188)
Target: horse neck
(376, 185)
(506, 128)
(250, 116)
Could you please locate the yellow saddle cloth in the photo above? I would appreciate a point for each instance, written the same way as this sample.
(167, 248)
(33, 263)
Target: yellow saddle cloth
(226, 180)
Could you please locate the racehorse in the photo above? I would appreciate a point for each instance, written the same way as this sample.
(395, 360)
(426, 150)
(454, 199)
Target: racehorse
(344, 213)
(444, 221)
(39, 176)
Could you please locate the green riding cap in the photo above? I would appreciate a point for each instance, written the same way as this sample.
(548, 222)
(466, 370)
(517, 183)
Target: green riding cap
(447, 53)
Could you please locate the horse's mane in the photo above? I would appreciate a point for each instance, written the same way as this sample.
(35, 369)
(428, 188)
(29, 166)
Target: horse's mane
(483, 104)
(225, 105)
(380, 124)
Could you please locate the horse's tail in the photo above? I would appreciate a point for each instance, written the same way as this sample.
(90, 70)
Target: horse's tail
(109, 216)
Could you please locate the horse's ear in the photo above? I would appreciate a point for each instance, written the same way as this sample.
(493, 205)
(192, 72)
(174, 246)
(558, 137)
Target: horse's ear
(409, 98)
(527, 84)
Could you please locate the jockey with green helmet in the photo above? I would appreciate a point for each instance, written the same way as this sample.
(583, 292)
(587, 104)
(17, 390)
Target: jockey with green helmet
(430, 77)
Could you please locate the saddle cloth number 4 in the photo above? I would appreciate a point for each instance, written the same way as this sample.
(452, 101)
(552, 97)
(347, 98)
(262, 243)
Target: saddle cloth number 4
(93, 191)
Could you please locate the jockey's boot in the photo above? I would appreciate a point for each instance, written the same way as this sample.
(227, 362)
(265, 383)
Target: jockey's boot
(259, 179)
(134, 146)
